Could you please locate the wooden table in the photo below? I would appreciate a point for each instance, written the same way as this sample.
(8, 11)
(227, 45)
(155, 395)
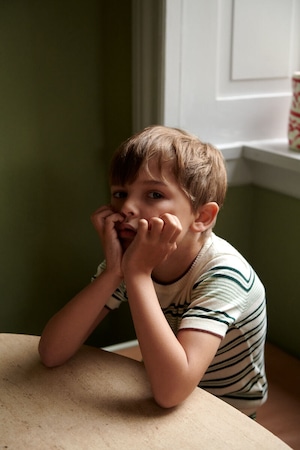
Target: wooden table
(100, 400)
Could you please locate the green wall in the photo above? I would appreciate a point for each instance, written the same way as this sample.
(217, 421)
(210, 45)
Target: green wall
(275, 252)
(65, 95)
(234, 219)
(65, 90)
(265, 226)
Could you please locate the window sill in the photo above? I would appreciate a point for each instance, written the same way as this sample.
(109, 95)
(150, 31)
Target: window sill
(269, 164)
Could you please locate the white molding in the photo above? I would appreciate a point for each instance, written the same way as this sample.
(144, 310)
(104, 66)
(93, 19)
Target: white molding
(268, 164)
(172, 63)
(148, 18)
(232, 98)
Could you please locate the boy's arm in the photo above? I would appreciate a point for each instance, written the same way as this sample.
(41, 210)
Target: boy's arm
(68, 329)
(71, 326)
(175, 365)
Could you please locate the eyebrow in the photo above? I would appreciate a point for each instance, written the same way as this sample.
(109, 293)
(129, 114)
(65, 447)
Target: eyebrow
(153, 181)
(148, 182)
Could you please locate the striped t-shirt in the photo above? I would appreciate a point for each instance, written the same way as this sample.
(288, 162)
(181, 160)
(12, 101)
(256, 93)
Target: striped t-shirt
(220, 294)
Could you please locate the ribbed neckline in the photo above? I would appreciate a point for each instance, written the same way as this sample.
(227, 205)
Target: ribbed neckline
(184, 277)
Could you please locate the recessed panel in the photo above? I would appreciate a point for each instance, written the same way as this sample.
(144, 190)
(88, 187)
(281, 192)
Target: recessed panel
(205, 99)
(261, 39)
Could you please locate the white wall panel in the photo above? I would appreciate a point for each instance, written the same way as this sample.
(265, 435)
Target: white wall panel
(218, 83)
(209, 87)
(261, 39)
(253, 86)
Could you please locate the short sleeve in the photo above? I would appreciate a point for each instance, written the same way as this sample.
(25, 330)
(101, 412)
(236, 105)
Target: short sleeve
(120, 294)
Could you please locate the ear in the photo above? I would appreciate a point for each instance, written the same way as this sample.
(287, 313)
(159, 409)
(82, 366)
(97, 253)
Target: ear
(205, 217)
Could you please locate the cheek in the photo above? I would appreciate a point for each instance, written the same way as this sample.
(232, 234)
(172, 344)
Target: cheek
(147, 211)
(116, 205)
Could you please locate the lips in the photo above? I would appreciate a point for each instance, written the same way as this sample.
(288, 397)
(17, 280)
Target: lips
(126, 234)
(126, 231)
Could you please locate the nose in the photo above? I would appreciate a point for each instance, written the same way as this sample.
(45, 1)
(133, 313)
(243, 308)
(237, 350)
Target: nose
(129, 207)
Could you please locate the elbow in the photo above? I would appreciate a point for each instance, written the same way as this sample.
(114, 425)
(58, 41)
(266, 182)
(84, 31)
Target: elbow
(48, 360)
(167, 400)
(48, 357)
(171, 395)
(165, 404)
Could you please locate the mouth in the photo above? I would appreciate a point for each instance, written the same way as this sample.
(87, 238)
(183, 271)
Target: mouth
(126, 232)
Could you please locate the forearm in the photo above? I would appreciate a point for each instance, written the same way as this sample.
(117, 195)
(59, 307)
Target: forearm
(70, 327)
(165, 358)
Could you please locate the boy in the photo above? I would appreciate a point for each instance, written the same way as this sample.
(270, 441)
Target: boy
(198, 307)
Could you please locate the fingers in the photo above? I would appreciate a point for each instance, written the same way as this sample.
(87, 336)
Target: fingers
(167, 227)
(101, 214)
(172, 227)
(98, 216)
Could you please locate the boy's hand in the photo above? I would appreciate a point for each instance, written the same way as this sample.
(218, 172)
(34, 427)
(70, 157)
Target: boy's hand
(155, 242)
(104, 220)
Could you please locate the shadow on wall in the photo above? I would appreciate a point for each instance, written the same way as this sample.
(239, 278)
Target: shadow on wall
(54, 247)
(58, 124)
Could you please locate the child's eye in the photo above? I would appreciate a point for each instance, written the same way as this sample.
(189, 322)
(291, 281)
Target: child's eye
(155, 195)
(119, 194)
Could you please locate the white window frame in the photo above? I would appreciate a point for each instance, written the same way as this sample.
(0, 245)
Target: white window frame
(160, 88)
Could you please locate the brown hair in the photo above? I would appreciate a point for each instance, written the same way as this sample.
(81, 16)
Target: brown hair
(198, 167)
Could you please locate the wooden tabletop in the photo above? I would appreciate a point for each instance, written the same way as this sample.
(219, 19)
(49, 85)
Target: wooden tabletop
(99, 400)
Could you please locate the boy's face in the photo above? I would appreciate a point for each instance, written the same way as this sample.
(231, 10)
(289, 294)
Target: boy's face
(150, 195)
